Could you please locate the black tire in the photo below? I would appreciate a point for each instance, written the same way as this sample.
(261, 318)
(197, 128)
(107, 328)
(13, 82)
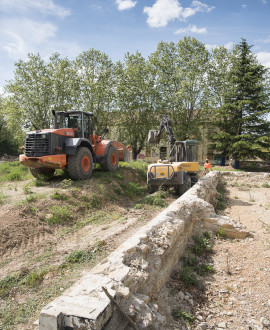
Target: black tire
(194, 179)
(80, 165)
(151, 189)
(43, 173)
(111, 160)
(185, 186)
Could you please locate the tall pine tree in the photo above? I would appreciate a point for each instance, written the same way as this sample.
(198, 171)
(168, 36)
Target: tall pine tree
(240, 128)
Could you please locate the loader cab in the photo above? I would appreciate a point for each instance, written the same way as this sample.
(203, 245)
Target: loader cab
(81, 122)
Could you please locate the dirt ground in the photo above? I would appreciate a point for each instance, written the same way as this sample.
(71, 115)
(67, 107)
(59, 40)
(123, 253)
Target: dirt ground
(237, 295)
(30, 246)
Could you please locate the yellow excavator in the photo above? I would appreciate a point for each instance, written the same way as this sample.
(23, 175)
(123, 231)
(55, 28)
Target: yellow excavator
(180, 169)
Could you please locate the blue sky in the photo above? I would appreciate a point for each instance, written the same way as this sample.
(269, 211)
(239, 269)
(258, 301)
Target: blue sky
(119, 26)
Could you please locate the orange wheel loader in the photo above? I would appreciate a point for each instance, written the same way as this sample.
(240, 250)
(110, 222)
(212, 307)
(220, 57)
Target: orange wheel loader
(72, 144)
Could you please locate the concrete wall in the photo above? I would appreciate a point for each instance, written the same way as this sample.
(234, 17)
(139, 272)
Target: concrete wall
(140, 266)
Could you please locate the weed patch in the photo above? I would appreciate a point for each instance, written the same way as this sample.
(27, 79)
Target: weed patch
(59, 215)
(156, 199)
(221, 234)
(265, 185)
(188, 277)
(178, 314)
(57, 195)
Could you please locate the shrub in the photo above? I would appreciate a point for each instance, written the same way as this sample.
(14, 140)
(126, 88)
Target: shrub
(188, 277)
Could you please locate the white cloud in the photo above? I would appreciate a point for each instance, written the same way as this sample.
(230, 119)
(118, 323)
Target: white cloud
(244, 6)
(125, 4)
(47, 7)
(264, 2)
(21, 36)
(164, 11)
(264, 58)
(191, 29)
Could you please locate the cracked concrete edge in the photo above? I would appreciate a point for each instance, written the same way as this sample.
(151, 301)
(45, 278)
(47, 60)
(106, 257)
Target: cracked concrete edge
(143, 263)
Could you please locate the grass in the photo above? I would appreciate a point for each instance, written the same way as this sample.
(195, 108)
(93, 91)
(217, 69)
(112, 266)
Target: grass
(57, 195)
(13, 171)
(157, 199)
(59, 215)
(3, 197)
(82, 256)
(265, 185)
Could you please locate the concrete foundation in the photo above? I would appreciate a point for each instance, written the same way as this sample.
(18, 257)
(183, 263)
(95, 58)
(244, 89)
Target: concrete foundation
(140, 266)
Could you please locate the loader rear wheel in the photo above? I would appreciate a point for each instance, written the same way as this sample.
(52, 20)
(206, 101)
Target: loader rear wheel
(185, 186)
(42, 173)
(80, 165)
(111, 160)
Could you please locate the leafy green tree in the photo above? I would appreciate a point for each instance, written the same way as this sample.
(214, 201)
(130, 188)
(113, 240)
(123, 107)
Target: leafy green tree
(64, 82)
(240, 126)
(96, 85)
(31, 90)
(181, 82)
(134, 93)
(218, 76)
(10, 134)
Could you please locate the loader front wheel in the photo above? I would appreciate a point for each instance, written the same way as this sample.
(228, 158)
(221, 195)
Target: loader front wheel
(111, 160)
(42, 173)
(80, 165)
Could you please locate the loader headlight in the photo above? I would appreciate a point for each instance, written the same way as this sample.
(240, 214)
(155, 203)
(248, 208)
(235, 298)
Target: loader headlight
(43, 136)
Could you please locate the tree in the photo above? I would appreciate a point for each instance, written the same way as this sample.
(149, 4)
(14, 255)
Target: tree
(10, 134)
(96, 85)
(181, 72)
(134, 92)
(64, 83)
(31, 90)
(240, 127)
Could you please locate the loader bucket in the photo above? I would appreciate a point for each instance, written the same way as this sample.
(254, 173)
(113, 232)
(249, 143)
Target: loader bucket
(152, 137)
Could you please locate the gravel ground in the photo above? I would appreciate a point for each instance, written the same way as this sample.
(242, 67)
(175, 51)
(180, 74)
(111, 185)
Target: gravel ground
(237, 295)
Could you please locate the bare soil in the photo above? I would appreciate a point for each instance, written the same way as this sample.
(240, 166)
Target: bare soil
(103, 214)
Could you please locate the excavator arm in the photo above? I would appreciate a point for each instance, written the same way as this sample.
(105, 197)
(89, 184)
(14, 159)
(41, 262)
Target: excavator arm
(155, 136)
